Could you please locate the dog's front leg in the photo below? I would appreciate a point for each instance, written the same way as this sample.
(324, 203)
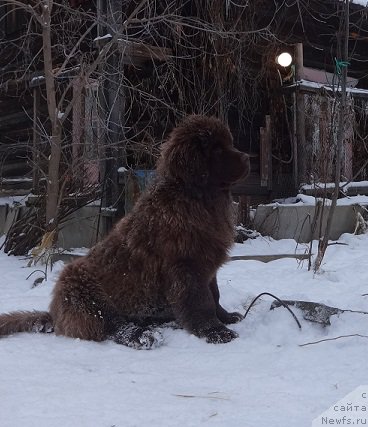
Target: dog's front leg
(223, 315)
(193, 304)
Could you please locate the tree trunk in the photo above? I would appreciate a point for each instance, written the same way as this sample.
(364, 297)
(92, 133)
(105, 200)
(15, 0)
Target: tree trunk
(53, 186)
(323, 242)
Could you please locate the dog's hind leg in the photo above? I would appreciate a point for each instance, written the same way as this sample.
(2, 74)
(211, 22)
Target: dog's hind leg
(81, 308)
(79, 322)
(134, 336)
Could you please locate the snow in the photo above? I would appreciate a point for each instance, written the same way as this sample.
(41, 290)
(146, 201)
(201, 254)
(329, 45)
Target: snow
(345, 185)
(314, 85)
(96, 202)
(13, 200)
(353, 200)
(303, 199)
(104, 37)
(11, 180)
(37, 79)
(262, 379)
(361, 2)
(109, 209)
(75, 251)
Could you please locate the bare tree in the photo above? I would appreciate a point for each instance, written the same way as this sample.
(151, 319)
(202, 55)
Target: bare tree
(148, 63)
(342, 106)
(44, 19)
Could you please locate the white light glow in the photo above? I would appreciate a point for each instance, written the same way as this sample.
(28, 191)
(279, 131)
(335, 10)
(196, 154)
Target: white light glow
(284, 59)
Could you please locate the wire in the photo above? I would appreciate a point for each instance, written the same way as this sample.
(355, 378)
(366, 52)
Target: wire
(279, 300)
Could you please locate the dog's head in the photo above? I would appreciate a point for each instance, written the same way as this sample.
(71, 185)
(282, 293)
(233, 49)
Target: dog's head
(200, 152)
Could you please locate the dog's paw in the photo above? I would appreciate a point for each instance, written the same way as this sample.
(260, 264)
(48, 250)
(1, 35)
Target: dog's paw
(39, 327)
(219, 335)
(137, 337)
(230, 318)
(148, 340)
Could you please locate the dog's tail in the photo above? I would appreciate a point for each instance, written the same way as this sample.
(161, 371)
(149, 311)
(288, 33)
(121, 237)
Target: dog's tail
(25, 321)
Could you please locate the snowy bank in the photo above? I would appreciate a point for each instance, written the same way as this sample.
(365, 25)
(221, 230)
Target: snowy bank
(262, 379)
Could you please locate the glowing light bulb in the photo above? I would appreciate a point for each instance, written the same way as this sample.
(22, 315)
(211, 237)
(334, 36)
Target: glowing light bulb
(284, 59)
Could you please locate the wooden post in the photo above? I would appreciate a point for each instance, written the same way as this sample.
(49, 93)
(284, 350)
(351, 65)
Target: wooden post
(244, 210)
(36, 142)
(115, 114)
(295, 144)
(77, 126)
(269, 151)
(299, 61)
(262, 146)
(266, 154)
(300, 149)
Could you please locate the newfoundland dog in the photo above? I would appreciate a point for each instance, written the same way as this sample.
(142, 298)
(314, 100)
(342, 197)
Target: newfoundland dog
(159, 263)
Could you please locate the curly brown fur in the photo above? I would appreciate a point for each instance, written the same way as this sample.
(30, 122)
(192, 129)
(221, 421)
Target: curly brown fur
(160, 261)
(25, 321)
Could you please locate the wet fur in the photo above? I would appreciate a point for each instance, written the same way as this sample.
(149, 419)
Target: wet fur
(159, 263)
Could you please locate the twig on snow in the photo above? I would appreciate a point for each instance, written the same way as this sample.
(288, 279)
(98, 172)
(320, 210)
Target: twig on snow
(333, 339)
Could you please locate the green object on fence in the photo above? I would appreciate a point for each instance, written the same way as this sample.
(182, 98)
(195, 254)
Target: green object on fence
(339, 65)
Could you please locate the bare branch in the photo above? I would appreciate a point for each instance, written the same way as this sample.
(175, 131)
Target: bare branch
(333, 339)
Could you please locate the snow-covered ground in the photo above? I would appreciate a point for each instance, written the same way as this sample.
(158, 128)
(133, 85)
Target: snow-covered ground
(262, 379)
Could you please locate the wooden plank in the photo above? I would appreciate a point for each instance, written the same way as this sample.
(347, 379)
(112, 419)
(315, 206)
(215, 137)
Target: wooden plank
(67, 257)
(138, 50)
(268, 258)
(11, 218)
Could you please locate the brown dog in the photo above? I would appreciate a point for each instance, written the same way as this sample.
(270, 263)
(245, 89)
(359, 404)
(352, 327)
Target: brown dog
(159, 263)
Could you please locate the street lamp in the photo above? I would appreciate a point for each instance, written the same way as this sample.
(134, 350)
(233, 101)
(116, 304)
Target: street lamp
(284, 59)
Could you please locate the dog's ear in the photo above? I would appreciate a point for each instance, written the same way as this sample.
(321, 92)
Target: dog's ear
(185, 162)
(203, 138)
